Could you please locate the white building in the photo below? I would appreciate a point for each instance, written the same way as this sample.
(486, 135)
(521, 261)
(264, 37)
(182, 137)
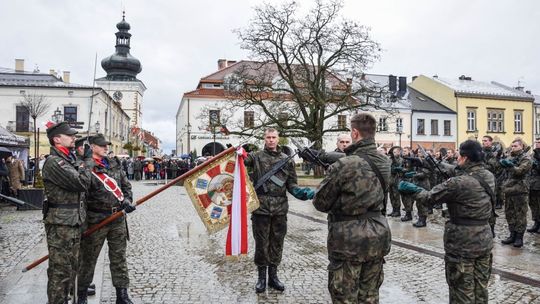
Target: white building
(433, 125)
(536, 116)
(67, 102)
(197, 108)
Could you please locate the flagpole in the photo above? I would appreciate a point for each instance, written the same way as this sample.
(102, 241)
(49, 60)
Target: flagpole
(140, 201)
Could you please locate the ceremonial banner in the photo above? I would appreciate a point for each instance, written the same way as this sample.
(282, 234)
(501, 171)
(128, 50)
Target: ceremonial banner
(210, 188)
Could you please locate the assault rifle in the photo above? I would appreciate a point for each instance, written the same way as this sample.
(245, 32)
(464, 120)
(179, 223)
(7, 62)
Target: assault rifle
(270, 175)
(17, 202)
(432, 162)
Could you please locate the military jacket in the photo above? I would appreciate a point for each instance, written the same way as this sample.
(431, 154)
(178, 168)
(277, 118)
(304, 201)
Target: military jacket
(352, 188)
(466, 199)
(99, 198)
(65, 180)
(491, 161)
(534, 179)
(516, 177)
(395, 176)
(272, 197)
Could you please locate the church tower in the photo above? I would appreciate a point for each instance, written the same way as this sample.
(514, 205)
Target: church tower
(121, 81)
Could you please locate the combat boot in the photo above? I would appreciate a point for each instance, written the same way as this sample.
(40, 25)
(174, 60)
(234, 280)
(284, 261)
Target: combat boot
(273, 280)
(261, 281)
(407, 217)
(92, 289)
(535, 227)
(122, 296)
(394, 213)
(498, 205)
(82, 298)
(421, 222)
(511, 239)
(519, 240)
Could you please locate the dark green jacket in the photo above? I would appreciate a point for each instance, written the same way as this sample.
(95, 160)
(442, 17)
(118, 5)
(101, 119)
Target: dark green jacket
(100, 198)
(272, 197)
(534, 179)
(466, 199)
(65, 180)
(351, 188)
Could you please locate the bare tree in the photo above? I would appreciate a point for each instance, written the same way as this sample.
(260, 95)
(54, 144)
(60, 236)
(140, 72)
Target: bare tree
(36, 105)
(305, 71)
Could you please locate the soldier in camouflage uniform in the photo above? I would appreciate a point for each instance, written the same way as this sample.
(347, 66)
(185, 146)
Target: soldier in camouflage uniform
(534, 191)
(358, 234)
(515, 189)
(492, 155)
(407, 199)
(269, 221)
(65, 178)
(102, 203)
(467, 235)
(395, 177)
(420, 177)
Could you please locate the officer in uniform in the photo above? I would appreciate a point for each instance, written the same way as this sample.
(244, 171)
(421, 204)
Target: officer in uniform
(65, 179)
(467, 235)
(408, 167)
(534, 192)
(109, 192)
(353, 195)
(515, 190)
(269, 221)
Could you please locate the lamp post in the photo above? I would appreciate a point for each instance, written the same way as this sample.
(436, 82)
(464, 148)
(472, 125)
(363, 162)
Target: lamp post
(188, 138)
(57, 115)
(97, 125)
(399, 131)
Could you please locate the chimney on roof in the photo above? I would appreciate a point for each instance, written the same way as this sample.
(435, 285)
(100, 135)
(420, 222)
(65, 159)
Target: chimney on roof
(52, 72)
(66, 76)
(221, 64)
(230, 62)
(19, 65)
(392, 83)
(402, 84)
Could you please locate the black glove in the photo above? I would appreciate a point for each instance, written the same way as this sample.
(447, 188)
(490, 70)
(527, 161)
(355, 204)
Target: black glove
(128, 206)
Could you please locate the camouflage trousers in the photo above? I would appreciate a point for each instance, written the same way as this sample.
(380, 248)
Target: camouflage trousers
(468, 278)
(515, 210)
(116, 235)
(355, 282)
(534, 204)
(269, 233)
(421, 205)
(395, 197)
(63, 243)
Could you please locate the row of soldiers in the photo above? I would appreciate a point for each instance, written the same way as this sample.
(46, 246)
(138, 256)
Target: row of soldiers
(517, 180)
(83, 187)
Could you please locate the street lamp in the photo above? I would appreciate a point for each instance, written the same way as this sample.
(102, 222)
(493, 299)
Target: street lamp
(188, 138)
(57, 115)
(399, 131)
(97, 126)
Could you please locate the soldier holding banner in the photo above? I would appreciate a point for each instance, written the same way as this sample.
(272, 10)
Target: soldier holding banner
(269, 221)
(65, 178)
(109, 192)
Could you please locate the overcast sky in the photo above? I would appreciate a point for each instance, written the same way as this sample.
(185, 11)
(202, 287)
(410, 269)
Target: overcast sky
(178, 42)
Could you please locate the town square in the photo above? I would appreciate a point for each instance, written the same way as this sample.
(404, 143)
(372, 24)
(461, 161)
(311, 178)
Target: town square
(314, 151)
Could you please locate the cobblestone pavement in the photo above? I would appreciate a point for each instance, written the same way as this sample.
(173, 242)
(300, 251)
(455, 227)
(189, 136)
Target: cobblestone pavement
(172, 259)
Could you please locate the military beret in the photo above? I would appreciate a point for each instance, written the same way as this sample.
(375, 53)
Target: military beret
(60, 128)
(99, 140)
(80, 141)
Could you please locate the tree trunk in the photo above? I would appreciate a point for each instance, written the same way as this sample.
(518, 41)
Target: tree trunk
(36, 162)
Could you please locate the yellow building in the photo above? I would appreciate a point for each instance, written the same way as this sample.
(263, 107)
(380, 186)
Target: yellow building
(483, 108)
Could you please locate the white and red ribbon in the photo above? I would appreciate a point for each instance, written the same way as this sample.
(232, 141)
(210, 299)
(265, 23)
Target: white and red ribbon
(237, 236)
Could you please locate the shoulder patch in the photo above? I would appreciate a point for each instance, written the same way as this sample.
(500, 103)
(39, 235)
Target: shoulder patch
(61, 162)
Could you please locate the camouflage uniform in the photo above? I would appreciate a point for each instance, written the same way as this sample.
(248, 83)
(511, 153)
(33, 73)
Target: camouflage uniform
(358, 235)
(101, 204)
(534, 183)
(65, 179)
(467, 235)
(421, 179)
(269, 221)
(515, 189)
(491, 160)
(395, 178)
(407, 200)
